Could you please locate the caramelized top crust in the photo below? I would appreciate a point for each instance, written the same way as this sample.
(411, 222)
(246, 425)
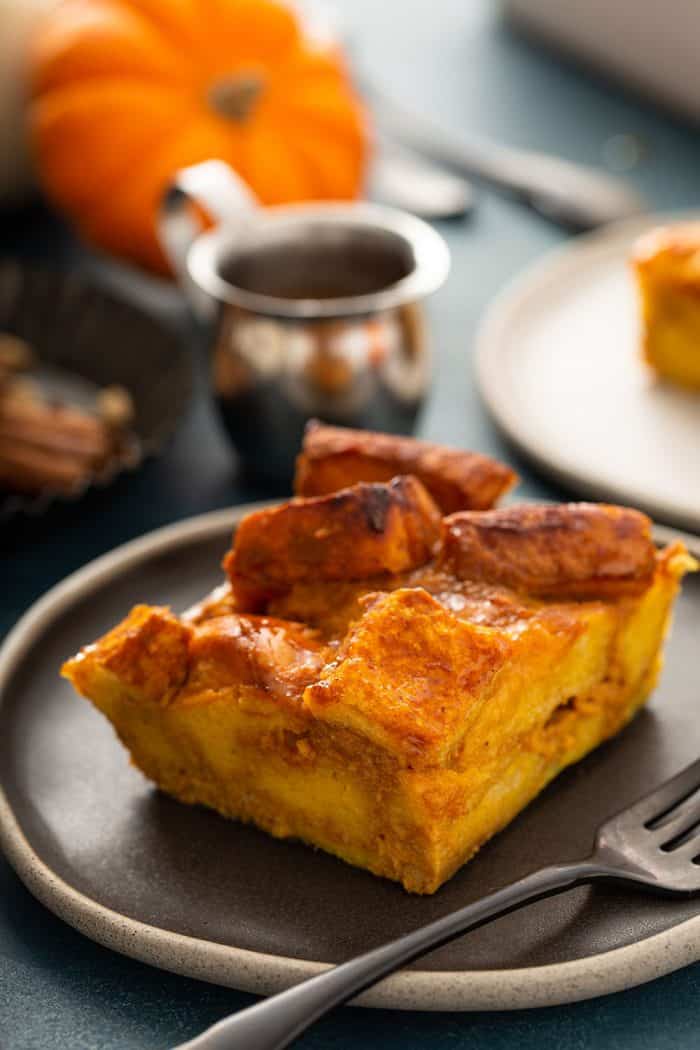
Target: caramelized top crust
(157, 659)
(487, 604)
(333, 457)
(670, 254)
(332, 607)
(357, 533)
(423, 676)
(575, 550)
(410, 676)
(494, 568)
(277, 656)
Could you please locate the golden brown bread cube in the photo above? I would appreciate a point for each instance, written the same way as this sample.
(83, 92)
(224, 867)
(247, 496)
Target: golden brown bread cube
(147, 653)
(394, 678)
(357, 533)
(334, 457)
(575, 550)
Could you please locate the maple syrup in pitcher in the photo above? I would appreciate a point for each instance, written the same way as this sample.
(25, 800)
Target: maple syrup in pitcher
(363, 367)
(314, 310)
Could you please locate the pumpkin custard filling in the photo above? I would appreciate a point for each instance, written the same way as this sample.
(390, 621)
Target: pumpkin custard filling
(384, 682)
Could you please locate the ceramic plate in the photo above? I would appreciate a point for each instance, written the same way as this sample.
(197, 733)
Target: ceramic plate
(186, 890)
(560, 370)
(86, 338)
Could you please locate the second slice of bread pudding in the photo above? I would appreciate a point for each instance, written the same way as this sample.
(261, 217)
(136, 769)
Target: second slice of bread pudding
(666, 262)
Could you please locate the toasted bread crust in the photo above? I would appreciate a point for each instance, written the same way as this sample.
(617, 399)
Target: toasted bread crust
(148, 652)
(156, 659)
(409, 675)
(574, 550)
(273, 655)
(334, 457)
(357, 533)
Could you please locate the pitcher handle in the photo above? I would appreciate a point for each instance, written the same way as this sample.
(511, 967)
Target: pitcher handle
(216, 187)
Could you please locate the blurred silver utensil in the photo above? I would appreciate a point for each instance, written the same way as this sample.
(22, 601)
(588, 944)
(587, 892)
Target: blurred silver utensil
(576, 196)
(406, 180)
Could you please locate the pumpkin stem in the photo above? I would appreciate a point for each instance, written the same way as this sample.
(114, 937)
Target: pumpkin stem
(234, 96)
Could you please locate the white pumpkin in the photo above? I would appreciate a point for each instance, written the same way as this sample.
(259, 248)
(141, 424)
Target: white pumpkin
(17, 20)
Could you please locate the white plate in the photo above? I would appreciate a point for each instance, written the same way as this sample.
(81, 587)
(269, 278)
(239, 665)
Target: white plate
(560, 370)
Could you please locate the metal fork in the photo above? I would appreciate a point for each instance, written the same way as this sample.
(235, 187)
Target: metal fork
(655, 844)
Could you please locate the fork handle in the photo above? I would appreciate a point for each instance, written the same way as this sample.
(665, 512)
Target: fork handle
(275, 1022)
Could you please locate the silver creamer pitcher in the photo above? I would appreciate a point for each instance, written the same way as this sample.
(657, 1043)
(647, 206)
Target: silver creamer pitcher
(314, 311)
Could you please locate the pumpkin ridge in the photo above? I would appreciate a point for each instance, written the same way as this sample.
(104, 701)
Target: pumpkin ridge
(65, 52)
(141, 194)
(84, 78)
(49, 108)
(341, 158)
(266, 157)
(104, 83)
(176, 35)
(353, 138)
(267, 32)
(342, 152)
(316, 66)
(325, 117)
(307, 163)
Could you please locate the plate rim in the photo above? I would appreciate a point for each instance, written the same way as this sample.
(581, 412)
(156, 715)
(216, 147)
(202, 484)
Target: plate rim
(263, 973)
(490, 343)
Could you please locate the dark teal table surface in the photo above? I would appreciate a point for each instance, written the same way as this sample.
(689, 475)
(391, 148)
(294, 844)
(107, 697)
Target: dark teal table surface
(453, 60)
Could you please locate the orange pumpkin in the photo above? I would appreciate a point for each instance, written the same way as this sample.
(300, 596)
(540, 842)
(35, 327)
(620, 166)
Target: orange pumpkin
(127, 91)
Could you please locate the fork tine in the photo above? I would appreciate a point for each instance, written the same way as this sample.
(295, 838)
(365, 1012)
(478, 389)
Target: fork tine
(681, 818)
(667, 796)
(688, 849)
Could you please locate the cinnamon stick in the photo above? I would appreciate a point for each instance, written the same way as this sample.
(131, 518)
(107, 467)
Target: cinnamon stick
(30, 470)
(53, 426)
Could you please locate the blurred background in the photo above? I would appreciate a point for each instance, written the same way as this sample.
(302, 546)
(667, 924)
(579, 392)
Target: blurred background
(137, 389)
(462, 116)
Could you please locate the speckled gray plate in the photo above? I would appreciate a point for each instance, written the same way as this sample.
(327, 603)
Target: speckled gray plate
(186, 890)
